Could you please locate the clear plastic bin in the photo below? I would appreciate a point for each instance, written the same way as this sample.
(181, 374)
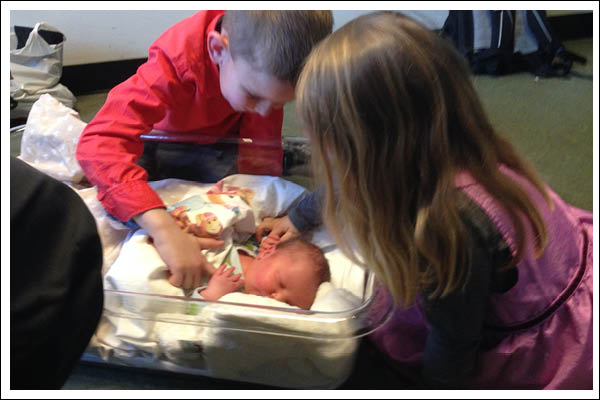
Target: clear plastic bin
(281, 347)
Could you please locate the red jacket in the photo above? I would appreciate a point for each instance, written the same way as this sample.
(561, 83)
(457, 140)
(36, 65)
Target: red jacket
(177, 93)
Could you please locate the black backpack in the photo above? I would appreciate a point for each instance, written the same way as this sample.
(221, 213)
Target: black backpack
(503, 42)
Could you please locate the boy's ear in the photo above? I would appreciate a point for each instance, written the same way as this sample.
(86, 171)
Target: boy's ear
(218, 46)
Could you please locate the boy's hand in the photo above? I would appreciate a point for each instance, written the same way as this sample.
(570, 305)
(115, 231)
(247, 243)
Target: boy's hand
(179, 250)
(281, 229)
(185, 261)
(222, 282)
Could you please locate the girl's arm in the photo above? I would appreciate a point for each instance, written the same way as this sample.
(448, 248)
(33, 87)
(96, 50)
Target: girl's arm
(457, 320)
(305, 216)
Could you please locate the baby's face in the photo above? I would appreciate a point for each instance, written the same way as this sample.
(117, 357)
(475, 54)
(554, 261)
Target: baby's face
(284, 277)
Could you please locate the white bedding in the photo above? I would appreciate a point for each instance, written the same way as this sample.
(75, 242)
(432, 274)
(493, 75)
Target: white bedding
(203, 340)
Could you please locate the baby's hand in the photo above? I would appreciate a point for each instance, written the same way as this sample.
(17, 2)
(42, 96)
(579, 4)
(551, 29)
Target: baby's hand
(222, 282)
(268, 243)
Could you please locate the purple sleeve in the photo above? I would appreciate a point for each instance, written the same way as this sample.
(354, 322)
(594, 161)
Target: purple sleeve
(306, 215)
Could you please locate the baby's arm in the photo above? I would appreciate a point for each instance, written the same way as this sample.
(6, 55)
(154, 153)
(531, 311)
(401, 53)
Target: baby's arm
(221, 283)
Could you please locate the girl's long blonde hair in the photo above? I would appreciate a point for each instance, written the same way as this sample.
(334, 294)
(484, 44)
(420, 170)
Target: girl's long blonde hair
(392, 116)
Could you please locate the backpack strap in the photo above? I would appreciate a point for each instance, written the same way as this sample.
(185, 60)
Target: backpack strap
(539, 26)
(493, 57)
(551, 58)
(485, 38)
(503, 30)
(458, 27)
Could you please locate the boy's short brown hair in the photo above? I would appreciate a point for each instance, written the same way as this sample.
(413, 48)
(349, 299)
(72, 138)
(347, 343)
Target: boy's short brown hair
(276, 42)
(313, 252)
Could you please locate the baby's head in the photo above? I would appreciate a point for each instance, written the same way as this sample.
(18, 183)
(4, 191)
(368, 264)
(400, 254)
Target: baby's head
(260, 54)
(290, 272)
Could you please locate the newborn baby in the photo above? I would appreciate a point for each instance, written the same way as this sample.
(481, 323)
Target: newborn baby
(290, 272)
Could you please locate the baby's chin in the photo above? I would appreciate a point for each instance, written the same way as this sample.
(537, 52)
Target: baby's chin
(249, 289)
(307, 305)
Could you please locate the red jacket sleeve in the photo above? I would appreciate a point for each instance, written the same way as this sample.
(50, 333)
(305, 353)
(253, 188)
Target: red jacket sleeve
(260, 151)
(110, 145)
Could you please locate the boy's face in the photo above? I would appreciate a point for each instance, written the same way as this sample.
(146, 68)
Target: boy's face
(246, 89)
(284, 277)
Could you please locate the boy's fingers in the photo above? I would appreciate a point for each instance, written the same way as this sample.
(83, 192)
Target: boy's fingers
(236, 278)
(197, 281)
(176, 280)
(209, 268)
(208, 243)
(188, 281)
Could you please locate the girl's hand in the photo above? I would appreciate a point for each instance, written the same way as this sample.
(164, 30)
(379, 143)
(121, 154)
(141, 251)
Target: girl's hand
(281, 229)
(222, 282)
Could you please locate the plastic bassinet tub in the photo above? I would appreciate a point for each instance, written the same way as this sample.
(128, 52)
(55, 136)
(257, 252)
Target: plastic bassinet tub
(275, 346)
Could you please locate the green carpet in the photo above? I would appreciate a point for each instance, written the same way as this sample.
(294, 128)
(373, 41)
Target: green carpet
(550, 121)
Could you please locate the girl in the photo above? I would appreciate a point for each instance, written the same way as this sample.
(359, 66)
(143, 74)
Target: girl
(490, 270)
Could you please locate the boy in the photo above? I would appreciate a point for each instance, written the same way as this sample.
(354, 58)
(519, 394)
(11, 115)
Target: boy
(290, 272)
(209, 80)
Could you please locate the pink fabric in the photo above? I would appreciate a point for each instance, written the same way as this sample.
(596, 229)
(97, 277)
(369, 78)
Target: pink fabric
(550, 307)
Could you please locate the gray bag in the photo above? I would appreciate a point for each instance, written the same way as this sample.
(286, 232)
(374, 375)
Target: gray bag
(36, 69)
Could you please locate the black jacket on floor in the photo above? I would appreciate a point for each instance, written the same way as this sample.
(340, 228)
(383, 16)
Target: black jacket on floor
(56, 295)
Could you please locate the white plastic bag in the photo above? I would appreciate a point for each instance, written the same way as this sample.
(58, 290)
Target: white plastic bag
(36, 69)
(50, 139)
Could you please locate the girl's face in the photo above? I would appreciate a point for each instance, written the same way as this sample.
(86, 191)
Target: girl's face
(284, 277)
